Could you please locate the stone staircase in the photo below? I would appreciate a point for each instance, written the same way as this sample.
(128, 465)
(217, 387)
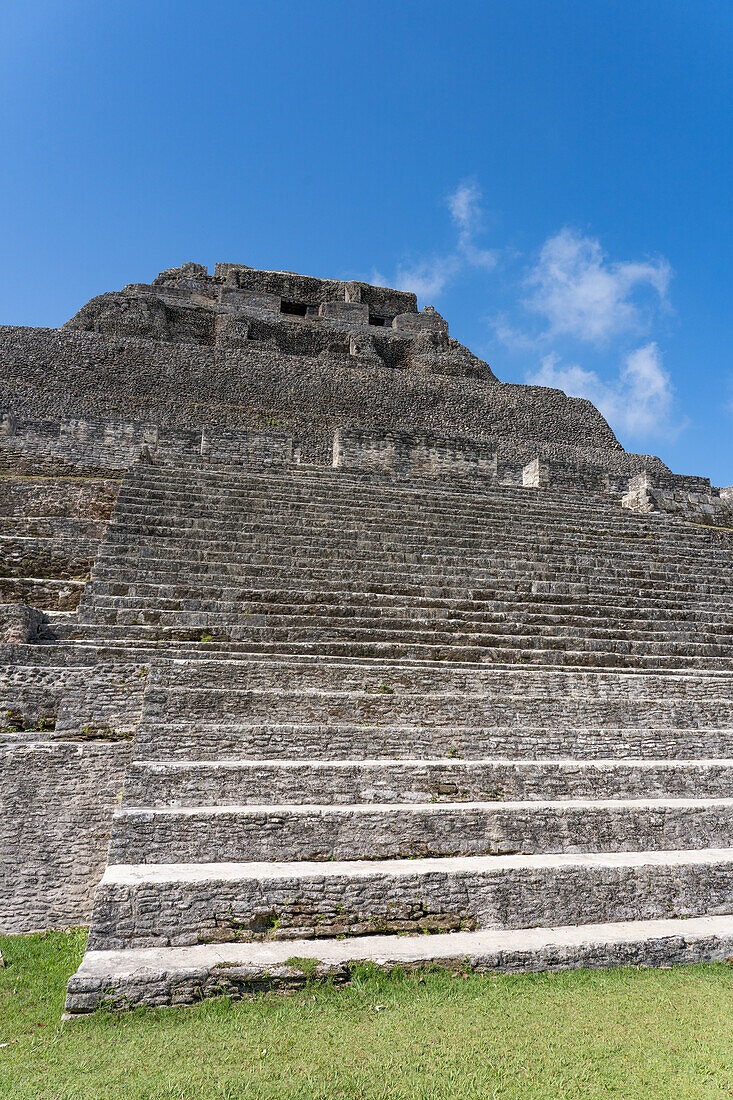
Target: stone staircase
(408, 722)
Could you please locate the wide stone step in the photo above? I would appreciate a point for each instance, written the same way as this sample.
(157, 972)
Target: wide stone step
(361, 491)
(406, 533)
(332, 782)
(493, 637)
(370, 486)
(235, 556)
(157, 549)
(123, 980)
(149, 905)
(147, 643)
(191, 738)
(154, 640)
(368, 491)
(370, 501)
(456, 603)
(350, 679)
(349, 521)
(368, 494)
(412, 621)
(381, 701)
(343, 602)
(314, 474)
(227, 597)
(318, 478)
(346, 603)
(156, 543)
(452, 581)
(408, 526)
(203, 834)
(420, 515)
(454, 570)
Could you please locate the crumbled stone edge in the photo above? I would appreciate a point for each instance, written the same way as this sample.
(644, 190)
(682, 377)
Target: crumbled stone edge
(156, 987)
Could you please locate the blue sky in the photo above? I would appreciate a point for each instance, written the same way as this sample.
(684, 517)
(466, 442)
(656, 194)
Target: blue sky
(554, 176)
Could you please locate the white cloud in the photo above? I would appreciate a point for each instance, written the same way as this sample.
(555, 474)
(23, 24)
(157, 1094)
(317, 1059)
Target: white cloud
(466, 213)
(465, 206)
(429, 277)
(638, 402)
(377, 278)
(512, 337)
(581, 294)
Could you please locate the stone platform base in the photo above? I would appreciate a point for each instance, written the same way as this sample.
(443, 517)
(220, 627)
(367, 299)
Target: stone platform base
(183, 976)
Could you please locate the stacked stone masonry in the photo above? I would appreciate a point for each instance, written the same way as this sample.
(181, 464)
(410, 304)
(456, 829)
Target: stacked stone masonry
(315, 637)
(696, 504)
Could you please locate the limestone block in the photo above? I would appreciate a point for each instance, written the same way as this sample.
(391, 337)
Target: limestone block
(57, 804)
(253, 303)
(349, 313)
(352, 292)
(20, 623)
(361, 346)
(429, 320)
(536, 474)
(142, 315)
(189, 270)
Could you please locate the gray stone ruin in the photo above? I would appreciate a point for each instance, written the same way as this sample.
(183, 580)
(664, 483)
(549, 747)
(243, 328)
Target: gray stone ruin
(317, 637)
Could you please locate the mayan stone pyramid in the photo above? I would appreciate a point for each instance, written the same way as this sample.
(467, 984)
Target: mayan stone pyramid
(320, 644)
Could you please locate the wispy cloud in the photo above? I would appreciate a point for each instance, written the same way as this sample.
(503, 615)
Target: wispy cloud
(571, 293)
(581, 294)
(638, 402)
(428, 277)
(467, 215)
(729, 403)
(514, 337)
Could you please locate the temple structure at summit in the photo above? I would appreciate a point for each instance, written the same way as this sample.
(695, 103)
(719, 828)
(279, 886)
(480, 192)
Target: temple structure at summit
(316, 638)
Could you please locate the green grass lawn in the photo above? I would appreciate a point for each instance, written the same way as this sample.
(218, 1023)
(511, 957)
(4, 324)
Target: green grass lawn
(623, 1033)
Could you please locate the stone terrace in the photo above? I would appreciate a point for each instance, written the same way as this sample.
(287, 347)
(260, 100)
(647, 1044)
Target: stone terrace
(377, 709)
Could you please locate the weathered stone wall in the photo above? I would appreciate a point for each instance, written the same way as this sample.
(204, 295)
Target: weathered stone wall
(116, 445)
(406, 455)
(102, 699)
(130, 912)
(63, 497)
(695, 503)
(60, 557)
(65, 741)
(30, 695)
(55, 815)
(50, 527)
(73, 375)
(19, 623)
